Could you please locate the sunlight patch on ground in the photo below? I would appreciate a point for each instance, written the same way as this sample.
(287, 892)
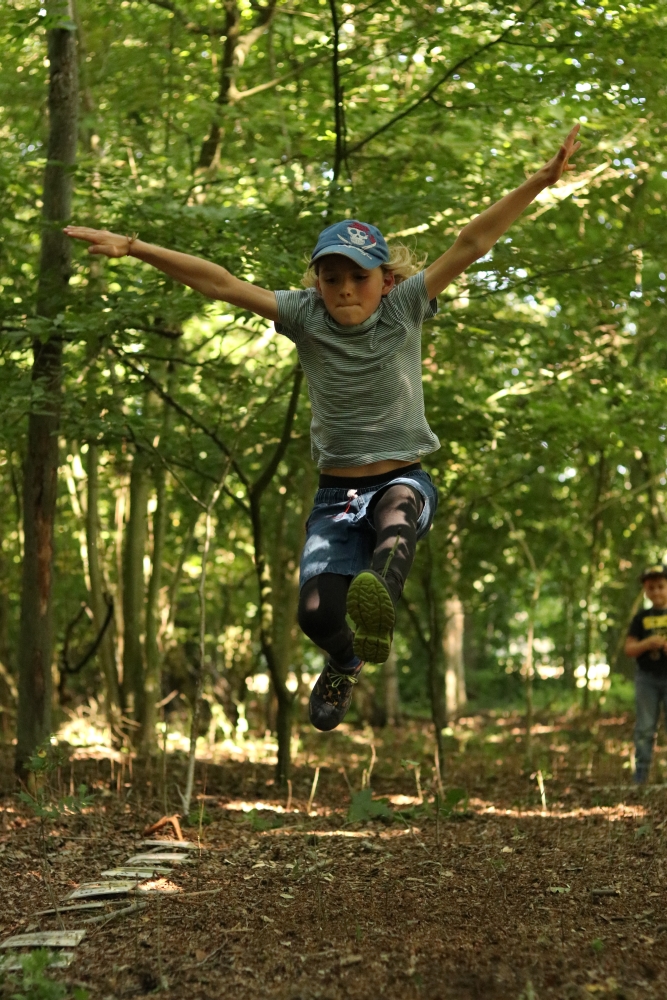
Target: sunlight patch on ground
(346, 834)
(86, 730)
(240, 806)
(610, 813)
(403, 800)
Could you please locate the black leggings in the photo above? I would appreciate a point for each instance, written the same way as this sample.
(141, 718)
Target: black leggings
(323, 598)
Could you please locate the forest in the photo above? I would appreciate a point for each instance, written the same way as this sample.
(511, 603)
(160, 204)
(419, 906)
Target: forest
(156, 477)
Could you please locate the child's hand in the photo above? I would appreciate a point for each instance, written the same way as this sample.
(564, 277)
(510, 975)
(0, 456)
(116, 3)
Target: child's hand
(656, 642)
(101, 241)
(556, 167)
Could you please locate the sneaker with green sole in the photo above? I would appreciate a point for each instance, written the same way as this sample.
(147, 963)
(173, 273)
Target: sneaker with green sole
(331, 697)
(371, 608)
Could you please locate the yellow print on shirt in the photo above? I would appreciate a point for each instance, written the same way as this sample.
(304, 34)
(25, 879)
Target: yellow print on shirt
(656, 622)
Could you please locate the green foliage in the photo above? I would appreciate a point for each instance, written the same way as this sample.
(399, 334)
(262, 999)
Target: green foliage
(364, 807)
(199, 818)
(44, 807)
(268, 821)
(43, 801)
(455, 801)
(597, 944)
(35, 984)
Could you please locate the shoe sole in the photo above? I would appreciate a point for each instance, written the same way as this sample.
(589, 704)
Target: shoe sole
(371, 609)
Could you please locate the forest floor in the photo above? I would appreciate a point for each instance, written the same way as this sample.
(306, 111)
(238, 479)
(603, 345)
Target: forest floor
(499, 897)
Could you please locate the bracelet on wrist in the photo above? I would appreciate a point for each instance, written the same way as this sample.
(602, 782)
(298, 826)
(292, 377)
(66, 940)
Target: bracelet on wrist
(130, 241)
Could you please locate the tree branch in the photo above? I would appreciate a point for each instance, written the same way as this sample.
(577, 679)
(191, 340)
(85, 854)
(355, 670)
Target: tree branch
(267, 474)
(339, 106)
(443, 79)
(164, 395)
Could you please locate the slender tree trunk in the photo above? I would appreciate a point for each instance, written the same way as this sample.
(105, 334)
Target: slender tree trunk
(133, 586)
(186, 797)
(436, 684)
(284, 696)
(284, 719)
(455, 685)
(98, 595)
(153, 683)
(40, 482)
(528, 668)
(392, 700)
(596, 528)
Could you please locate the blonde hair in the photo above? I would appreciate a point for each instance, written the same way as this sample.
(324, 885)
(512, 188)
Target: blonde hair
(403, 263)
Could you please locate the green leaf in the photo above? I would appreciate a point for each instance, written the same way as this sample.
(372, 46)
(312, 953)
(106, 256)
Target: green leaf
(365, 807)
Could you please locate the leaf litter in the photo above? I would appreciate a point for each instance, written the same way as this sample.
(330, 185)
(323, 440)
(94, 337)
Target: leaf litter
(392, 904)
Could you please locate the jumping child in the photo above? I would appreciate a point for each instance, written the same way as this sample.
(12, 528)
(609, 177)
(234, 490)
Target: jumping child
(357, 331)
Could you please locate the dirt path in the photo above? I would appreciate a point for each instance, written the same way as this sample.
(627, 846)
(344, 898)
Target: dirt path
(501, 899)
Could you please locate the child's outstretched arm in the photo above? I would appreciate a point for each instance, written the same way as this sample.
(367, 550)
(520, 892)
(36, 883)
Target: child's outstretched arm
(477, 238)
(210, 279)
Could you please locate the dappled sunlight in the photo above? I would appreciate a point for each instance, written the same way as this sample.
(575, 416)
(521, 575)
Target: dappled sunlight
(87, 731)
(367, 835)
(612, 814)
(261, 806)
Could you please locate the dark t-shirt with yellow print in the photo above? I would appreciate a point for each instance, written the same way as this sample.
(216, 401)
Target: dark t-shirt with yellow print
(645, 623)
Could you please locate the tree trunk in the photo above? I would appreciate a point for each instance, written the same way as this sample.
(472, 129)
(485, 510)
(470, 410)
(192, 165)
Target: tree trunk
(98, 595)
(392, 700)
(134, 588)
(284, 734)
(528, 668)
(40, 475)
(153, 682)
(455, 685)
(275, 668)
(436, 684)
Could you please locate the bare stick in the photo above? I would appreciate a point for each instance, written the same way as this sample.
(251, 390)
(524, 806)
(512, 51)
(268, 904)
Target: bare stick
(107, 917)
(313, 789)
(208, 531)
(289, 795)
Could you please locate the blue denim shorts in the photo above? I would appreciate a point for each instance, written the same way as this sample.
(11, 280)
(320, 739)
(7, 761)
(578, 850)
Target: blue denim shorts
(340, 537)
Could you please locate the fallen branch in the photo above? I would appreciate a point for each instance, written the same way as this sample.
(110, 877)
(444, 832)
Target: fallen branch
(108, 917)
(173, 820)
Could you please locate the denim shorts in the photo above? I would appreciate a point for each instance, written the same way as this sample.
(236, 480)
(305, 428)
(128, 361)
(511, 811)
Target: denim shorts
(340, 537)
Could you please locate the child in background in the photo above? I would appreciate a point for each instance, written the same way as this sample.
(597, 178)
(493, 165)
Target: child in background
(647, 641)
(357, 331)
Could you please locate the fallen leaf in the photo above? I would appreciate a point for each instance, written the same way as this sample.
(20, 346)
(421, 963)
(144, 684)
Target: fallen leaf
(350, 959)
(559, 888)
(507, 850)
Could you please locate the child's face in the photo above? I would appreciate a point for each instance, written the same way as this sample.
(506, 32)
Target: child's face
(351, 293)
(655, 589)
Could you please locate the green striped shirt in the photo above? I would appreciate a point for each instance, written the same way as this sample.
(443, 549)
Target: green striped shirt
(365, 381)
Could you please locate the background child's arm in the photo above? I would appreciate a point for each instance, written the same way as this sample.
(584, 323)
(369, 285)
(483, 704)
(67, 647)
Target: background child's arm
(477, 238)
(635, 647)
(210, 279)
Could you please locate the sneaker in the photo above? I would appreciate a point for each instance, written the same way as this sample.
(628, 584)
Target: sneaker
(331, 697)
(371, 608)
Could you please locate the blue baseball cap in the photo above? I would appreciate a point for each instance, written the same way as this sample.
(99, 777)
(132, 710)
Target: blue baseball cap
(363, 243)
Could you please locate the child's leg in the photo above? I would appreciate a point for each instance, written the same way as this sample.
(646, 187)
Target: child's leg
(395, 519)
(374, 593)
(648, 708)
(322, 616)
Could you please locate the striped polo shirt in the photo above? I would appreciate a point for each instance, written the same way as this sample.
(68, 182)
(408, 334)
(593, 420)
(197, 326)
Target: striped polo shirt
(364, 381)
